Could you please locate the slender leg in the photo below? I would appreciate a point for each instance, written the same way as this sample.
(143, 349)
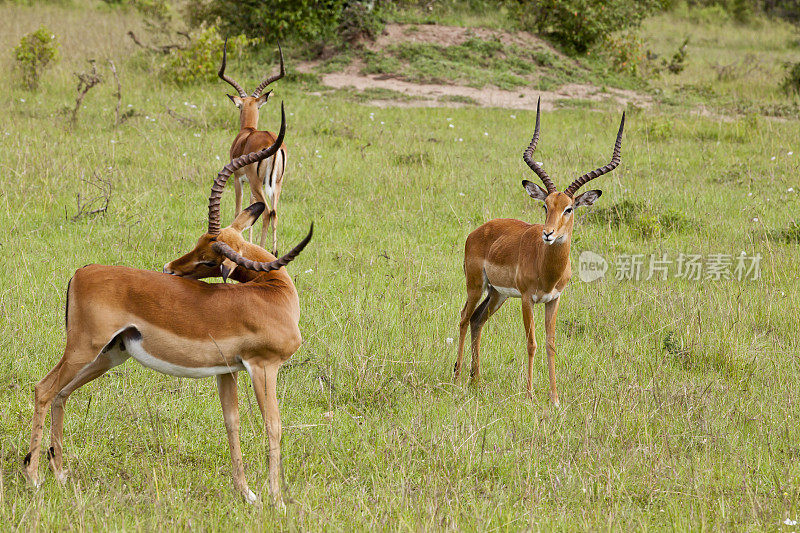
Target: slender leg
(71, 362)
(550, 311)
(229, 398)
(256, 192)
(237, 187)
(487, 308)
(265, 384)
(530, 336)
(273, 222)
(110, 357)
(276, 179)
(473, 297)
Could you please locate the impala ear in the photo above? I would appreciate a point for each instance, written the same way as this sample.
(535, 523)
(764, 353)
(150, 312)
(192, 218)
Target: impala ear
(237, 100)
(226, 268)
(248, 217)
(587, 198)
(263, 99)
(536, 192)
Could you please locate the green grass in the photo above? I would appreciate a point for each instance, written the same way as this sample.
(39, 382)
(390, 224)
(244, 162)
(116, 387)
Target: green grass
(679, 397)
(480, 62)
(734, 68)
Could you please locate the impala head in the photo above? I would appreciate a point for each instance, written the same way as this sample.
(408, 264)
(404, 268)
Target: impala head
(221, 250)
(560, 206)
(249, 105)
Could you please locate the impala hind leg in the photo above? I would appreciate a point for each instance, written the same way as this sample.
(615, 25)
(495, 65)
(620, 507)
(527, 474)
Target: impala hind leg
(229, 398)
(273, 222)
(237, 187)
(486, 309)
(113, 354)
(473, 297)
(265, 385)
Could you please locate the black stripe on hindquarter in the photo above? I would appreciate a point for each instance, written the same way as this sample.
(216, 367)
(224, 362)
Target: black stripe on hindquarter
(66, 306)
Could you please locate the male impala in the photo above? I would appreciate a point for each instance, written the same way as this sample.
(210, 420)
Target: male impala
(265, 177)
(180, 326)
(511, 258)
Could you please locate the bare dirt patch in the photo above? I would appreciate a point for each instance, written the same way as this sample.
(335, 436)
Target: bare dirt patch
(451, 95)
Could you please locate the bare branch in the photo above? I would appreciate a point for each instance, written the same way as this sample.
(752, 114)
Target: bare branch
(96, 204)
(162, 49)
(118, 94)
(86, 80)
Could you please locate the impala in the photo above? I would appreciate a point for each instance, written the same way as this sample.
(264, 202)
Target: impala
(178, 325)
(265, 177)
(510, 258)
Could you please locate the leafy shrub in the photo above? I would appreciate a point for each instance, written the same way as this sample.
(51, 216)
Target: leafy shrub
(625, 52)
(34, 53)
(200, 60)
(578, 24)
(358, 21)
(791, 83)
(305, 20)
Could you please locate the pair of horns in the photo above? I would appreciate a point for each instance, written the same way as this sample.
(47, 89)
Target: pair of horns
(578, 183)
(214, 199)
(261, 86)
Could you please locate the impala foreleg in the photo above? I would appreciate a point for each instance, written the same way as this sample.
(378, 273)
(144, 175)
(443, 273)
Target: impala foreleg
(550, 312)
(530, 336)
(485, 310)
(265, 385)
(229, 398)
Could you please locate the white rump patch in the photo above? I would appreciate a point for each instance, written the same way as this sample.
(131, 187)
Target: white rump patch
(137, 351)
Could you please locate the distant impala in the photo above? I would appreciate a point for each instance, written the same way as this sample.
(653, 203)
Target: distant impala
(179, 326)
(265, 177)
(511, 258)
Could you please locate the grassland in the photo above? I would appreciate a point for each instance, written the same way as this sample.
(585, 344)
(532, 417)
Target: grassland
(679, 398)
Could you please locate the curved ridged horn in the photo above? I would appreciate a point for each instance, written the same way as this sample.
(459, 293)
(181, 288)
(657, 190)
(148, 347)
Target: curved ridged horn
(526, 155)
(262, 266)
(230, 168)
(615, 159)
(270, 79)
(222, 75)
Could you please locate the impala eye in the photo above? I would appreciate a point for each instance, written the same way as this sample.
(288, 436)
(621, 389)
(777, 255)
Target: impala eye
(208, 263)
(567, 211)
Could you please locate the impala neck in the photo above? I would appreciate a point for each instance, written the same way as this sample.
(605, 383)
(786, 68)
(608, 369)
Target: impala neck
(256, 253)
(555, 260)
(248, 117)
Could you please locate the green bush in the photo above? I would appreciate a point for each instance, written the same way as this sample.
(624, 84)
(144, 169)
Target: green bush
(201, 59)
(34, 53)
(306, 20)
(791, 83)
(578, 24)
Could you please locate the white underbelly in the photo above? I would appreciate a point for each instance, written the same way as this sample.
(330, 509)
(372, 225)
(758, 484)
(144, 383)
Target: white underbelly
(137, 351)
(512, 292)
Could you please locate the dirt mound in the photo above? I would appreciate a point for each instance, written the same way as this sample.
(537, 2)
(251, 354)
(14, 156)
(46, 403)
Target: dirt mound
(452, 95)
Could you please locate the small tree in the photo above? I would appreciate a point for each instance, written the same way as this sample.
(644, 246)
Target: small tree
(34, 53)
(578, 24)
